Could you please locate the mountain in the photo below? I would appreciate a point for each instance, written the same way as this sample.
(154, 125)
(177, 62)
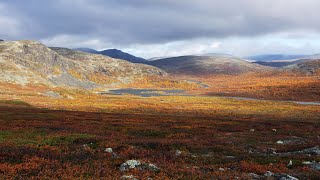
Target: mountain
(206, 65)
(25, 62)
(115, 53)
(277, 64)
(274, 57)
(306, 66)
(88, 50)
(283, 63)
(311, 57)
(157, 58)
(1, 40)
(215, 55)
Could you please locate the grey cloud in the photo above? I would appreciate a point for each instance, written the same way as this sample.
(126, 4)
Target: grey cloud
(122, 22)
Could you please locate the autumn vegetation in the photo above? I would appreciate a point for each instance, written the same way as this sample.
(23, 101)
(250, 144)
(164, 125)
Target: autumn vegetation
(43, 137)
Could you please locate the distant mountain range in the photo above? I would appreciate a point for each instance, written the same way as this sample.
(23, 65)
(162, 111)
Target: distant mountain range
(30, 62)
(115, 53)
(286, 61)
(206, 65)
(274, 57)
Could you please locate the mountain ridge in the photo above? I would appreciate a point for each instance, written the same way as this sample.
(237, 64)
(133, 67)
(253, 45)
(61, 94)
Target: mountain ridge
(206, 65)
(274, 57)
(26, 61)
(115, 53)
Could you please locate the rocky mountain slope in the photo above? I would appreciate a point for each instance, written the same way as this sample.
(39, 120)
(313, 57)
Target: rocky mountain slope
(207, 65)
(308, 67)
(26, 62)
(115, 53)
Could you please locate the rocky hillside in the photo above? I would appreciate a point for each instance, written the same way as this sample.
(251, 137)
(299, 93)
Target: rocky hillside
(26, 62)
(207, 65)
(308, 67)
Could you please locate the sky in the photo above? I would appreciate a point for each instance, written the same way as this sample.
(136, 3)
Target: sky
(161, 28)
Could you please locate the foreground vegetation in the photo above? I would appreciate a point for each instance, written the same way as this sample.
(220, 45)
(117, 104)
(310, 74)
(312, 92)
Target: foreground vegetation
(69, 134)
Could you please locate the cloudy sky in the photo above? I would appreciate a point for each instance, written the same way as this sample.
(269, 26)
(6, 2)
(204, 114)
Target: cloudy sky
(156, 28)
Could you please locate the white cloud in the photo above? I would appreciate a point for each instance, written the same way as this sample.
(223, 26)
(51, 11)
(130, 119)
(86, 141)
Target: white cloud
(73, 41)
(165, 27)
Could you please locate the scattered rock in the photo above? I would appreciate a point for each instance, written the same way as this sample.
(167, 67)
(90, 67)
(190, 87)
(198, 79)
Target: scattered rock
(311, 151)
(230, 157)
(286, 177)
(315, 166)
(280, 142)
(306, 162)
(130, 164)
(251, 151)
(131, 177)
(108, 150)
(290, 163)
(280, 176)
(178, 153)
(314, 150)
(221, 169)
(269, 174)
(271, 151)
(135, 164)
(153, 167)
(254, 176)
(292, 140)
(86, 147)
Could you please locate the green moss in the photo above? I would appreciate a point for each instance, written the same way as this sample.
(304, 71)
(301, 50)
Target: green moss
(39, 138)
(4, 135)
(14, 102)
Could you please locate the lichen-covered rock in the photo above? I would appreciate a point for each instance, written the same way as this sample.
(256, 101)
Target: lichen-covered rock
(108, 150)
(178, 153)
(285, 177)
(254, 176)
(269, 174)
(153, 167)
(131, 177)
(130, 164)
(135, 164)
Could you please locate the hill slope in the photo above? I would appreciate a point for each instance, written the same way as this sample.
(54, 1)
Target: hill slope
(115, 53)
(277, 64)
(309, 67)
(206, 65)
(283, 63)
(26, 62)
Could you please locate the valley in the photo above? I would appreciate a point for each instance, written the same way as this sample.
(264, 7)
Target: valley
(75, 115)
